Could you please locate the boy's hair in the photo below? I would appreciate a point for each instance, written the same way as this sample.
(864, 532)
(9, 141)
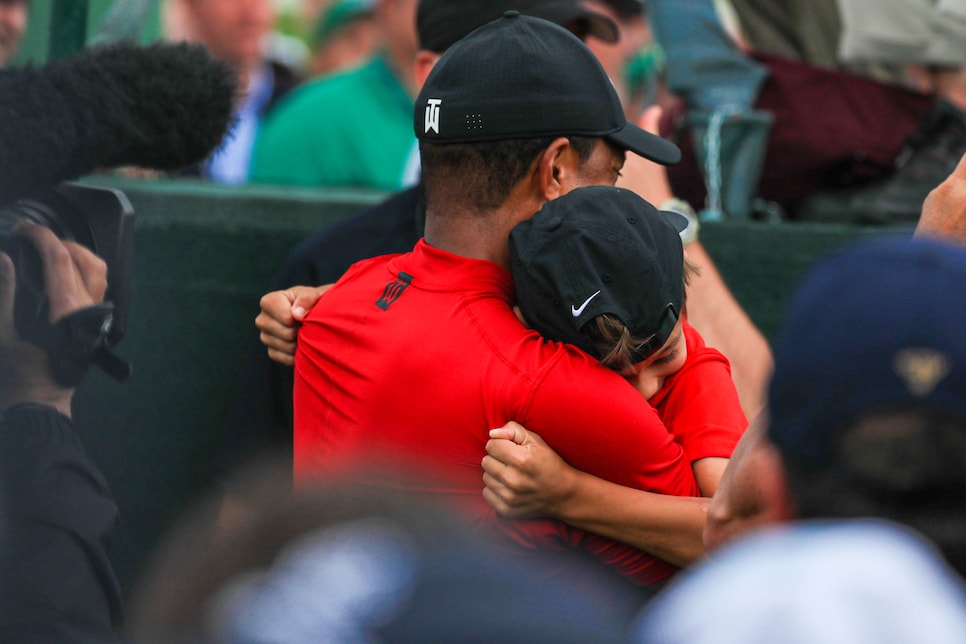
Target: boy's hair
(616, 342)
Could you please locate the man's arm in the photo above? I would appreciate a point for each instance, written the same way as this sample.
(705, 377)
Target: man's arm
(752, 492)
(56, 510)
(525, 478)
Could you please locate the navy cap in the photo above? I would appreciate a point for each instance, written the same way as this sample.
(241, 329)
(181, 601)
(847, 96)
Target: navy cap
(599, 250)
(524, 77)
(877, 327)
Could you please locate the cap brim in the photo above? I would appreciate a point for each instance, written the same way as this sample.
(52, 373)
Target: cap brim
(630, 137)
(582, 22)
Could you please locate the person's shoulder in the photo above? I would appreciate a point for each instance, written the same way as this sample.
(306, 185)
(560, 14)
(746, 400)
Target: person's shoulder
(314, 99)
(325, 88)
(285, 80)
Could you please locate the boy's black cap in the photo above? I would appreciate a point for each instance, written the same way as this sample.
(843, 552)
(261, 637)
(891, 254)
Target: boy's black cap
(523, 77)
(599, 250)
(440, 23)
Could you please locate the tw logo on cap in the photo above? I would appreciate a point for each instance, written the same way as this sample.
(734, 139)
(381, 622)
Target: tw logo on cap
(432, 115)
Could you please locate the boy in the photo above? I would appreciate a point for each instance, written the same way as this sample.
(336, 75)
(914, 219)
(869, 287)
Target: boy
(603, 270)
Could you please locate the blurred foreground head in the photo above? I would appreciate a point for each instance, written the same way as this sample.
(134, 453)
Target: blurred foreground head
(868, 397)
(834, 582)
(349, 564)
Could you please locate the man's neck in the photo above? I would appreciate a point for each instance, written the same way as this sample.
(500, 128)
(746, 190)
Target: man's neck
(472, 237)
(479, 235)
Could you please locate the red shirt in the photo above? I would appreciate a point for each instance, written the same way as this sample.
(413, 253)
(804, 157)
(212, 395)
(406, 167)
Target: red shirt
(413, 358)
(699, 404)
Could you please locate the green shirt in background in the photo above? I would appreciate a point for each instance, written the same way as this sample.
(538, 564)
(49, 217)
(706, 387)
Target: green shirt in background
(354, 129)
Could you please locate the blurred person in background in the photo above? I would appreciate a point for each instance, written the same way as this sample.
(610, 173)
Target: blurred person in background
(13, 24)
(619, 58)
(344, 36)
(352, 129)
(236, 31)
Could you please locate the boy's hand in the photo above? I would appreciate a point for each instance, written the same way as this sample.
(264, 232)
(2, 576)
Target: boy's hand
(524, 477)
(282, 313)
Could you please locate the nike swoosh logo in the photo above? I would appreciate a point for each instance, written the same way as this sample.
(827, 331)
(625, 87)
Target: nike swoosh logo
(577, 311)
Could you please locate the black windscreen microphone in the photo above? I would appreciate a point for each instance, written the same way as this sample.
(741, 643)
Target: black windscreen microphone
(163, 106)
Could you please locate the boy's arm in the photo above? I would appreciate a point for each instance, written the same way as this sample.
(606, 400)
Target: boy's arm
(525, 478)
(708, 473)
(699, 405)
(752, 493)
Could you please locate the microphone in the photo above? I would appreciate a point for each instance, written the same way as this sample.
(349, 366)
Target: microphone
(164, 106)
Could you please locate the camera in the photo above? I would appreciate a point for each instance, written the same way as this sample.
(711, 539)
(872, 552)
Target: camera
(101, 219)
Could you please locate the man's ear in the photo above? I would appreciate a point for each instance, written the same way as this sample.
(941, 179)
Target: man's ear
(556, 169)
(424, 63)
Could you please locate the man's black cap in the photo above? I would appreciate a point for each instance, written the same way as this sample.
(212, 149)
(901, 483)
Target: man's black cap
(440, 23)
(599, 250)
(523, 77)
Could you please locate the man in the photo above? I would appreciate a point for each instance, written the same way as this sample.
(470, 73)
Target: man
(235, 31)
(13, 24)
(351, 129)
(262, 415)
(742, 503)
(906, 407)
(409, 359)
(867, 421)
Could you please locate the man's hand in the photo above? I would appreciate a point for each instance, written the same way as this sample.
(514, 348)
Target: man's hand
(74, 278)
(524, 477)
(944, 211)
(282, 313)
